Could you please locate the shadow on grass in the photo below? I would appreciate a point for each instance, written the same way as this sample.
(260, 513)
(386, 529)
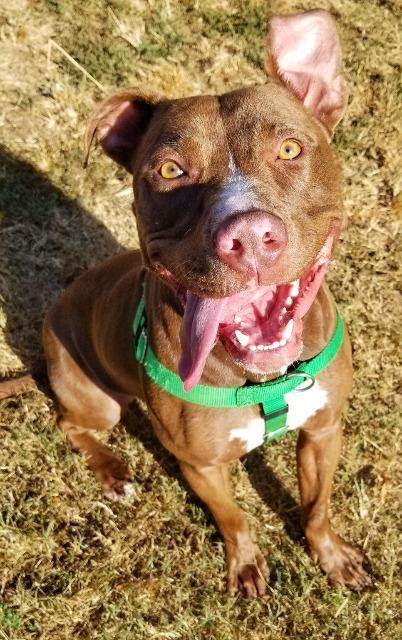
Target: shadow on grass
(263, 478)
(139, 427)
(273, 493)
(47, 239)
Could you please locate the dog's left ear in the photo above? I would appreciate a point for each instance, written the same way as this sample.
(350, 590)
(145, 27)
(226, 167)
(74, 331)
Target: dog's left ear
(304, 53)
(120, 123)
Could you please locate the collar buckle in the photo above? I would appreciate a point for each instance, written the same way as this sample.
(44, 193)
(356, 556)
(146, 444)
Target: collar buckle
(270, 415)
(275, 414)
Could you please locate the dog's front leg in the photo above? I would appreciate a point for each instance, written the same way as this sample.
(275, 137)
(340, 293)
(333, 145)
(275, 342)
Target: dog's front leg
(247, 568)
(317, 458)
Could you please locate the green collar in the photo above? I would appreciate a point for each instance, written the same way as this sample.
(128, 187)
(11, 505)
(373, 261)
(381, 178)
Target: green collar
(270, 395)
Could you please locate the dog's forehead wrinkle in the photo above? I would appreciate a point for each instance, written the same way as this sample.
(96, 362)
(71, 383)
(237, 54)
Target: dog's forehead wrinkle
(268, 107)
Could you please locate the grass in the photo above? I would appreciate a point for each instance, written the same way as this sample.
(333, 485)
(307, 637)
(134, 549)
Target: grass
(72, 564)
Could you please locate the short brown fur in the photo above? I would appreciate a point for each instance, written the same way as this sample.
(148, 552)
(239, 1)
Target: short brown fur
(88, 332)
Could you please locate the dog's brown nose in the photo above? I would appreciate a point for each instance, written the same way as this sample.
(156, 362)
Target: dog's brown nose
(251, 241)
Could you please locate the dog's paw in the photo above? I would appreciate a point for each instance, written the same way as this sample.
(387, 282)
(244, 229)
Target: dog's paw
(344, 565)
(249, 577)
(115, 477)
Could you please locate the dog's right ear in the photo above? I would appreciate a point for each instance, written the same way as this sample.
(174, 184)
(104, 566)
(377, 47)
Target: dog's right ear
(120, 123)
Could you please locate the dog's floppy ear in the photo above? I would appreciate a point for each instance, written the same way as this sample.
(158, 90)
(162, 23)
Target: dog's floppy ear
(304, 53)
(120, 123)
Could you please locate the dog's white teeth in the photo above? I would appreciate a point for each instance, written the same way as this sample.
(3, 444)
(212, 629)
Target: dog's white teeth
(287, 332)
(282, 313)
(237, 319)
(242, 338)
(268, 347)
(288, 302)
(295, 288)
(273, 345)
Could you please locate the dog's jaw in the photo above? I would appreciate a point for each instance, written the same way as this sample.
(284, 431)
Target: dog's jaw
(261, 327)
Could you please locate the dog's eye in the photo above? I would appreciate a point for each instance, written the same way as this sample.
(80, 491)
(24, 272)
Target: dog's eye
(170, 170)
(289, 149)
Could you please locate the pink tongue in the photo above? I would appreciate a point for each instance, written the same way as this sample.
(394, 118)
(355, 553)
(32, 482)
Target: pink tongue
(198, 333)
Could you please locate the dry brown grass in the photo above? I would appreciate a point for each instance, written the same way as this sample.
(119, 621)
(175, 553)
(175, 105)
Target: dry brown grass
(74, 565)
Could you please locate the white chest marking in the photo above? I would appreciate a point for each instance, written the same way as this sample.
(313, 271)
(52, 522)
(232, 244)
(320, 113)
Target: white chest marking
(302, 405)
(252, 435)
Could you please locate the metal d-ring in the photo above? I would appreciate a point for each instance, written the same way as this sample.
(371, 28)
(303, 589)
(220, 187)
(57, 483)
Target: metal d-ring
(306, 376)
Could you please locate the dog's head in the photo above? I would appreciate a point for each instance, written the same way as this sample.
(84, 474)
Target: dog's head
(237, 196)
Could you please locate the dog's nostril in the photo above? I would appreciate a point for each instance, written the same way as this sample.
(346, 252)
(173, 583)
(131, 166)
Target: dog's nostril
(267, 238)
(236, 245)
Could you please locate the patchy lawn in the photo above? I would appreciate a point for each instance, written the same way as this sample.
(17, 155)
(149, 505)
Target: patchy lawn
(73, 564)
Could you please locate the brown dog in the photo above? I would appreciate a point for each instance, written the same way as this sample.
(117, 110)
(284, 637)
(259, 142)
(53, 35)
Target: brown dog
(238, 209)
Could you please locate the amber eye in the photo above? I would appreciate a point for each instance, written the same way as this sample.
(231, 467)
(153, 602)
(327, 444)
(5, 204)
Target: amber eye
(289, 149)
(170, 170)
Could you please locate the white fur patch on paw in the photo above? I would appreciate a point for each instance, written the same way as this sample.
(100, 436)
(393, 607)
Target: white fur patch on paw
(129, 490)
(128, 493)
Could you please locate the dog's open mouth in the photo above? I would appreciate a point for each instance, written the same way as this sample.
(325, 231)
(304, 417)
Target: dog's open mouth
(260, 327)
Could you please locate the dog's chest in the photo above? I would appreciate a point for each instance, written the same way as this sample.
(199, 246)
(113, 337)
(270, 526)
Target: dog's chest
(302, 406)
